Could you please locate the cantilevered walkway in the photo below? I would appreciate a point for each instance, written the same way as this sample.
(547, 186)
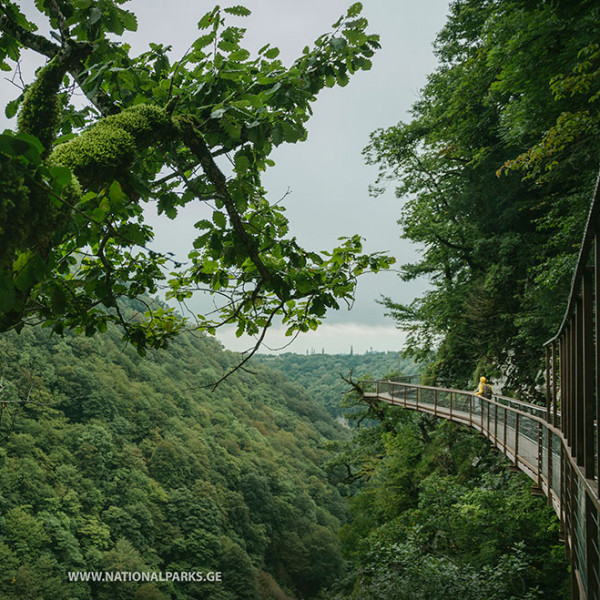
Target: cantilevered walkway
(556, 444)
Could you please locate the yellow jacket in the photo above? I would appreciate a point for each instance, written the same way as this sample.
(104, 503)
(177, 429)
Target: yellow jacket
(481, 387)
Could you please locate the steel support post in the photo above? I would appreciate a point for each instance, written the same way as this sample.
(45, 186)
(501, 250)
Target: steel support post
(579, 385)
(517, 439)
(505, 428)
(587, 387)
(554, 388)
(548, 385)
(550, 466)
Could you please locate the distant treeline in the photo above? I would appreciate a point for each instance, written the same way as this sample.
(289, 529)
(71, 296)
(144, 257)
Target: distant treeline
(321, 374)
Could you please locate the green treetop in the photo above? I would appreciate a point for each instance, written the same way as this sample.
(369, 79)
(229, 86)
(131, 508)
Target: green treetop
(74, 180)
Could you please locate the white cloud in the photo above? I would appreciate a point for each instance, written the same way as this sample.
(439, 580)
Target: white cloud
(337, 338)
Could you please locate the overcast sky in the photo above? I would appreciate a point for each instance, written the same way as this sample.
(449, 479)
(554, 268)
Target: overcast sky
(326, 175)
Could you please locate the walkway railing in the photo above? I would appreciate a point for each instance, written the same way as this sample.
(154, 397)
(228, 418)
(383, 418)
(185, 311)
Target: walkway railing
(573, 384)
(533, 445)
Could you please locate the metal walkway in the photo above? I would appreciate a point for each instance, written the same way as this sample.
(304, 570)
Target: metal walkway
(533, 445)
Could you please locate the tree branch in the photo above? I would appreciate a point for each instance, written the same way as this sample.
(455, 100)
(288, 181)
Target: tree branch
(33, 41)
(195, 141)
(45, 47)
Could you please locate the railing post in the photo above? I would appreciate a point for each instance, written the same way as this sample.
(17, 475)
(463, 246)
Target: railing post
(470, 410)
(481, 413)
(435, 400)
(568, 413)
(554, 388)
(592, 554)
(550, 466)
(597, 336)
(505, 427)
(587, 391)
(540, 455)
(496, 424)
(517, 439)
(565, 385)
(563, 493)
(377, 388)
(548, 401)
(572, 508)
(451, 393)
(405, 395)
(579, 383)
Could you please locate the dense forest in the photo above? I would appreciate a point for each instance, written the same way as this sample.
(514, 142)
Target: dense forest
(496, 171)
(110, 461)
(436, 514)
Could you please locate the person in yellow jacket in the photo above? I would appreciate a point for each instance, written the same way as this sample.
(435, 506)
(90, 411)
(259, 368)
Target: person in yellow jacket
(484, 389)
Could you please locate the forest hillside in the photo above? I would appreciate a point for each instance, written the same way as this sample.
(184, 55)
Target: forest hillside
(110, 461)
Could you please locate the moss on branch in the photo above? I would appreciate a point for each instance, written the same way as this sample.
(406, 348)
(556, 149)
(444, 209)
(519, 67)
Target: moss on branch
(107, 150)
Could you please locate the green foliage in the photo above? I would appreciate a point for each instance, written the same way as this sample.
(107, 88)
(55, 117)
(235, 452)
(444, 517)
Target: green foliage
(497, 167)
(71, 227)
(436, 515)
(111, 461)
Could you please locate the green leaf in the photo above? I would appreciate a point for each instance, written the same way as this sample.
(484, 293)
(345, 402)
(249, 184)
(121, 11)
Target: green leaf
(30, 269)
(207, 20)
(95, 15)
(116, 194)
(242, 163)
(272, 53)
(98, 215)
(204, 40)
(129, 20)
(238, 11)
(227, 46)
(22, 144)
(219, 219)
(61, 176)
(239, 55)
(354, 10)
(203, 224)
(11, 108)
(338, 44)
(277, 134)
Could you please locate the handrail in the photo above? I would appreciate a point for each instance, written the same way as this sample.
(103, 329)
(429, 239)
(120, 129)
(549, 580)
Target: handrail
(573, 383)
(535, 446)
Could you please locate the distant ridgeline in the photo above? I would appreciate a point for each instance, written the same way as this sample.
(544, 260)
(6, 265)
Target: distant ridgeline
(113, 462)
(321, 374)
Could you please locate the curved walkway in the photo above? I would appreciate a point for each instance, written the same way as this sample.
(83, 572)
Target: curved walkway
(535, 446)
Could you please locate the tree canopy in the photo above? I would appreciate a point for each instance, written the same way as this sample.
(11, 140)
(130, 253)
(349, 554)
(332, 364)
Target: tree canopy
(75, 179)
(497, 166)
(114, 462)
